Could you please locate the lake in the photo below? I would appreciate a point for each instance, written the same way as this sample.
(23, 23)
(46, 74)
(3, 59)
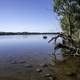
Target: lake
(20, 56)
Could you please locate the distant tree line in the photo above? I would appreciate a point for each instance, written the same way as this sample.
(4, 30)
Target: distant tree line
(25, 33)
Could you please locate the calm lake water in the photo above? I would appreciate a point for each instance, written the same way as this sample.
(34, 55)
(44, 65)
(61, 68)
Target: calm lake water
(31, 47)
(21, 57)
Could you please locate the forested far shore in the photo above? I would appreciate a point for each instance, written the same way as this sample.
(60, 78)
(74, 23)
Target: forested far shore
(26, 33)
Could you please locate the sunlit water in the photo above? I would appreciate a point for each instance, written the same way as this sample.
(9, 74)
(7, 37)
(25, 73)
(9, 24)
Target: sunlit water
(18, 51)
(33, 48)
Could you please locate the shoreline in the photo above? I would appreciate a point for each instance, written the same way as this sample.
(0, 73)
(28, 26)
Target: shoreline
(28, 33)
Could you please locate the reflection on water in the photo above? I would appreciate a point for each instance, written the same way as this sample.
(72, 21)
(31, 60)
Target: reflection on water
(21, 56)
(33, 46)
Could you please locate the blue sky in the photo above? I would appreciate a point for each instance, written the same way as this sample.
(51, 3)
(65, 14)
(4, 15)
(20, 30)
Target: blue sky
(28, 15)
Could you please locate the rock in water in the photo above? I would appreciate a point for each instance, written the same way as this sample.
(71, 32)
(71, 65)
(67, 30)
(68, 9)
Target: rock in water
(45, 37)
(39, 70)
(43, 65)
(48, 75)
(28, 66)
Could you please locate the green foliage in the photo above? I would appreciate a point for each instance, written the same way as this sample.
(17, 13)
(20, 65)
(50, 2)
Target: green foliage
(69, 12)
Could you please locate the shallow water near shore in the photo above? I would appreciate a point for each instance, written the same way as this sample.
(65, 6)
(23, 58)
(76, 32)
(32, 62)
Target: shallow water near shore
(25, 57)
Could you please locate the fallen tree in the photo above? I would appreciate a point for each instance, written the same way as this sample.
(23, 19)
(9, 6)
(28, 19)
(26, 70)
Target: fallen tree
(68, 43)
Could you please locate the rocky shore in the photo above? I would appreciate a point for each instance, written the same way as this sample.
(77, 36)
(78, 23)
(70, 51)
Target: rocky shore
(69, 69)
(21, 70)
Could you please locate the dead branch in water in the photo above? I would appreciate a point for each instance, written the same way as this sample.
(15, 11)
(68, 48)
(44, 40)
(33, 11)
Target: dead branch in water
(67, 43)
